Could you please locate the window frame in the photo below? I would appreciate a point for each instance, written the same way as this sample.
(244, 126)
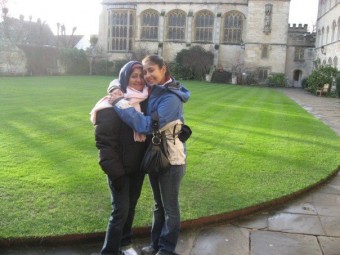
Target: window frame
(265, 51)
(120, 30)
(299, 54)
(263, 73)
(204, 33)
(149, 32)
(234, 33)
(181, 29)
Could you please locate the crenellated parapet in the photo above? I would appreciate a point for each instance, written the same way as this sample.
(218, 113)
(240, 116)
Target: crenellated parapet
(298, 35)
(298, 28)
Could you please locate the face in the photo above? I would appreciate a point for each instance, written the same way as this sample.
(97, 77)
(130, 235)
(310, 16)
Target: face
(154, 75)
(136, 80)
(116, 93)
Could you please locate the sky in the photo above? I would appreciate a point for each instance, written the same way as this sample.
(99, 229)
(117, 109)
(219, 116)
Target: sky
(84, 14)
(304, 12)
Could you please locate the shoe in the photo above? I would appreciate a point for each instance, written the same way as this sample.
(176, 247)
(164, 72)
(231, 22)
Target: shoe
(130, 251)
(149, 250)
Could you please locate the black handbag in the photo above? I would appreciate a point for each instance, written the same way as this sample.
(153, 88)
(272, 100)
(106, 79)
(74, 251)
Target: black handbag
(155, 160)
(185, 133)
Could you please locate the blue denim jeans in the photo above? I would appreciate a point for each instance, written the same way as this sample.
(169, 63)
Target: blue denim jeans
(166, 216)
(119, 228)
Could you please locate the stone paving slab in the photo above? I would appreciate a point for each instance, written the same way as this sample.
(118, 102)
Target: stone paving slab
(331, 189)
(300, 206)
(276, 243)
(332, 211)
(331, 225)
(336, 180)
(259, 221)
(329, 245)
(296, 223)
(226, 240)
(186, 241)
(320, 198)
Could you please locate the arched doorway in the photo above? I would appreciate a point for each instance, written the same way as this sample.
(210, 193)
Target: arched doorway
(297, 78)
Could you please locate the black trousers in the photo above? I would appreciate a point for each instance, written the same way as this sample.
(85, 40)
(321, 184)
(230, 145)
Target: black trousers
(119, 228)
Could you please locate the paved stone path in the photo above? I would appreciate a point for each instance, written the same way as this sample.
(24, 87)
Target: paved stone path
(309, 225)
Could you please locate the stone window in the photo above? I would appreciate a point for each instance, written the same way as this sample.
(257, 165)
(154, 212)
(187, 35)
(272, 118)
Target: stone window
(149, 25)
(120, 31)
(335, 62)
(330, 61)
(267, 18)
(176, 25)
(264, 51)
(338, 37)
(263, 73)
(233, 27)
(333, 31)
(299, 54)
(319, 38)
(323, 36)
(204, 26)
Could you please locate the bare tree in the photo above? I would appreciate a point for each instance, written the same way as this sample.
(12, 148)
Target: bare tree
(64, 40)
(4, 8)
(92, 53)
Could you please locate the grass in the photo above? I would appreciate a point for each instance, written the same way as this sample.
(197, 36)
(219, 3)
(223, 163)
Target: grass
(249, 145)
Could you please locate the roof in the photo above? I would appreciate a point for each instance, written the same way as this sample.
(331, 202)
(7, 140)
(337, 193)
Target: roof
(22, 32)
(28, 32)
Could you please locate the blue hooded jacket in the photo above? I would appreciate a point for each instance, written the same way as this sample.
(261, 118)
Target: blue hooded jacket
(167, 100)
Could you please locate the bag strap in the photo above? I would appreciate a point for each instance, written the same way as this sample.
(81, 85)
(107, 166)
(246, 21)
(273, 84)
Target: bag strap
(155, 123)
(158, 138)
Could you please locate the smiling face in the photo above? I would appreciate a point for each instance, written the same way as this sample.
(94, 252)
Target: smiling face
(153, 74)
(136, 79)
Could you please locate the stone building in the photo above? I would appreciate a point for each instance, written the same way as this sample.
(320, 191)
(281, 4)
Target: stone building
(328, 33)
(30, 48)
(16, 35)
(245, 36)
(300, 54)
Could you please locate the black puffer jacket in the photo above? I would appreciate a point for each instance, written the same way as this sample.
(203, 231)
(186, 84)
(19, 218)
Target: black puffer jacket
(119, 154)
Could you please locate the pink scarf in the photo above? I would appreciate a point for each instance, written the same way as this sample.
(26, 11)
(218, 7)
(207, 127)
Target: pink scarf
(135, 97)
(100, 105)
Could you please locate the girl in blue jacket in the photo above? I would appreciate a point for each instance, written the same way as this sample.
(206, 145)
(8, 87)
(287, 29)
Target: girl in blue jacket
(166, 97)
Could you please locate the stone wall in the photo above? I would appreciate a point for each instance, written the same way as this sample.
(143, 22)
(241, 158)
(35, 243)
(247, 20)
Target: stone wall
(12, 61)
(328, 33)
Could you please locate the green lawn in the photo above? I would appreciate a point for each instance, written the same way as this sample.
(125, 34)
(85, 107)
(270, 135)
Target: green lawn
(249, 145)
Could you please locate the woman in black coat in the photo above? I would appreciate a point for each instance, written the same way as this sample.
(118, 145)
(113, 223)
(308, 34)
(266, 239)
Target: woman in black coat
(121, 151)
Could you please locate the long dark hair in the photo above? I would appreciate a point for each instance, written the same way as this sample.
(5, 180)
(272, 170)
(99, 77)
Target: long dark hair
(159, 61)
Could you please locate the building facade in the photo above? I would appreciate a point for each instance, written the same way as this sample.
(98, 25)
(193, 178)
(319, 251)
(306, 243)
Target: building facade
(328, 33)
(245, 36)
